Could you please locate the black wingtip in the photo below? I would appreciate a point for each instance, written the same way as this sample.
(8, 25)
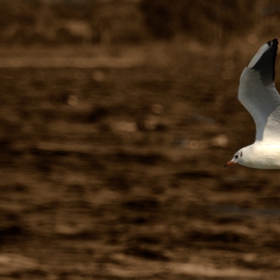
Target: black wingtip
(272, 42)
(266, 63)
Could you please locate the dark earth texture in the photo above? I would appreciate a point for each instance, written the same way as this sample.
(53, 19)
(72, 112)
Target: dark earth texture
(117, 173)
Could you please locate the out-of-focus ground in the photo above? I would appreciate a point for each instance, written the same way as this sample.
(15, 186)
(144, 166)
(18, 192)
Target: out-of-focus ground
(111, 162)
(116, 173)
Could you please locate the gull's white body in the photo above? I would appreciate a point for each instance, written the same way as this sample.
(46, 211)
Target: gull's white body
(259, 96)
(261, 155)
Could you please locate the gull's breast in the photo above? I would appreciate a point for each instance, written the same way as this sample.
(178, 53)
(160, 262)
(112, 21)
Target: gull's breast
(262, 155)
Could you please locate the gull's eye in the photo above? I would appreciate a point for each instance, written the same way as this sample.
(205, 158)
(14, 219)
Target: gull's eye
(236, 156)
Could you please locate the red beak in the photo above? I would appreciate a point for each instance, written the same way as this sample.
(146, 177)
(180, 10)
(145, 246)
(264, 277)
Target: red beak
(229, 163)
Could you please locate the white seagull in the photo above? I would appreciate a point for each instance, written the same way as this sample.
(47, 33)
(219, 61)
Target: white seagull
(258, 95)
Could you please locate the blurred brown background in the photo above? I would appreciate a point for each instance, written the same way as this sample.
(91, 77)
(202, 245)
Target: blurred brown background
(116, 120)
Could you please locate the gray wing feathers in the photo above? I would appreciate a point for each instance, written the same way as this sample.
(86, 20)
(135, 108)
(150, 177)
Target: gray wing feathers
(258, 94)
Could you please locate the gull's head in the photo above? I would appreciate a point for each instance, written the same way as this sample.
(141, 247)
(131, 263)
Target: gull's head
(237, 158)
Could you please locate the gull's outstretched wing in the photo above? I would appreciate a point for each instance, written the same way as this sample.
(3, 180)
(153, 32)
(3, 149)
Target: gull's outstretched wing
(258, 94)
